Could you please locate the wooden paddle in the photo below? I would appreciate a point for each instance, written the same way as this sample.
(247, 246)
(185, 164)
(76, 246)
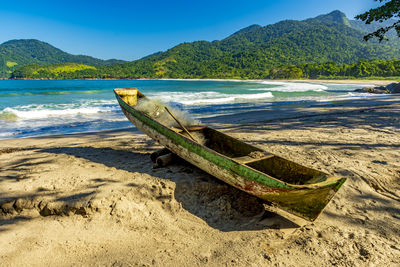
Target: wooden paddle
(180, 124)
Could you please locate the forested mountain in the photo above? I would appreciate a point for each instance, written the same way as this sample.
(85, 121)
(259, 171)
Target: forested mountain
(17, 53)
(253, 52)
(335, 16)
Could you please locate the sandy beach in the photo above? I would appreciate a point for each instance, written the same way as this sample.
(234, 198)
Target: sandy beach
(95, 198)
(360, 82)
(318, 81)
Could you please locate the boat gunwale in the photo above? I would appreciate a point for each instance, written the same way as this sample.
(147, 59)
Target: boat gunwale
(314, 186)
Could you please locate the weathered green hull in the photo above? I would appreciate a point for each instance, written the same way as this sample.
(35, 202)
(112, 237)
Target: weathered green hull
(306, 201)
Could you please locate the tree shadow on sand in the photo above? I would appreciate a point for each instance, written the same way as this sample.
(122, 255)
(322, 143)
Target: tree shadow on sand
(6, 223)
(354, 114)
(221, 206)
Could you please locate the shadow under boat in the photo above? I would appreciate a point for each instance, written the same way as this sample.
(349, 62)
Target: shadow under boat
(292, 187)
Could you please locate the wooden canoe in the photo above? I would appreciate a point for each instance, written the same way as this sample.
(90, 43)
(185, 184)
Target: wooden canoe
(299, 190)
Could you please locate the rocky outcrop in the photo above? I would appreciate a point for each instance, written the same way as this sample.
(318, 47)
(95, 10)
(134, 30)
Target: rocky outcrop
(373, 90)
(393, 88)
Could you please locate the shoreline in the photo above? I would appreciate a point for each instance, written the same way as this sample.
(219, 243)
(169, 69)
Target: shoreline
(287, 111)
(95, 198)
(276, 100)
(350, 82)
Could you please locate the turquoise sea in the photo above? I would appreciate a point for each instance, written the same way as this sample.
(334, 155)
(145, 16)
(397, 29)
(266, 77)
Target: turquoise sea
(45, 107)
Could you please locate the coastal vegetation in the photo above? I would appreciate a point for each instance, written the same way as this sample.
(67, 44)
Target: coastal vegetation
(327, 46)
(17, 53)
(54, 71)
(363, 69)
(11, 64)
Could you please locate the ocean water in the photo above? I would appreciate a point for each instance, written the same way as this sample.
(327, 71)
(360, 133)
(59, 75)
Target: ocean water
(36, 108)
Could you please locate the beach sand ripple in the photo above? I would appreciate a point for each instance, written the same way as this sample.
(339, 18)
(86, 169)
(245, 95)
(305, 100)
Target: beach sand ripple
(95, 198)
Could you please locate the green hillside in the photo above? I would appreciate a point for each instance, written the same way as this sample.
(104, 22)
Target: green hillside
(54, 71)
(17, 53)
(257, 52)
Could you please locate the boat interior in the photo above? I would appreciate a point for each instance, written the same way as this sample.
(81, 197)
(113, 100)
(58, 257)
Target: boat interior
(240, 152)
(253, 157)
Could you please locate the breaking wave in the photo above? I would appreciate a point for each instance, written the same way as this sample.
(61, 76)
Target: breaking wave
(42, 111)
(291, 87)
(199, 98)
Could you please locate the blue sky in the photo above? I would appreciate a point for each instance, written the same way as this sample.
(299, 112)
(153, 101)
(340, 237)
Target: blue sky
(132, 29)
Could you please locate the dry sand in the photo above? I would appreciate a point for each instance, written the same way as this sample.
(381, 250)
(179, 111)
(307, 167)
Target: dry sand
(95, 199)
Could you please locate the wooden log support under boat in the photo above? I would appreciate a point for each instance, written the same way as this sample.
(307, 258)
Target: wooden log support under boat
(165, 160)
(292, 187)
(158, 153)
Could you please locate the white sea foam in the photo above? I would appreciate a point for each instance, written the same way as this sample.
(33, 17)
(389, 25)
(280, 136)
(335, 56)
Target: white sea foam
(91, 114)
(331, 98)
(199, 98)
(7, 134)
(291, 87)
(30, 112)
(351, 95)
(44, 113)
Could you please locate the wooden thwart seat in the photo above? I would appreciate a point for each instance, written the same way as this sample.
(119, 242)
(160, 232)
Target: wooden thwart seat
(193, 128)
(249, 159)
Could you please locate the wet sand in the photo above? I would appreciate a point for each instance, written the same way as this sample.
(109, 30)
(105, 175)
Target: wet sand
(356, 82)
(95, 198)
(360, 82)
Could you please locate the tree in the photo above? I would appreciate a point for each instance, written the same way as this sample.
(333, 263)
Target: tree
(390, 9)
